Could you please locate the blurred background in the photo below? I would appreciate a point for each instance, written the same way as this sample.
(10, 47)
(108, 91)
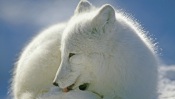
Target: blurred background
(20, 20)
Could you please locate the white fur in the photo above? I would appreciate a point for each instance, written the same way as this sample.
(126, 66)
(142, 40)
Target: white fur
(111, 54)
(38, 64)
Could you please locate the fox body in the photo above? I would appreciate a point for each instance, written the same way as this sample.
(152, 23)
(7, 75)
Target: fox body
(98, 46)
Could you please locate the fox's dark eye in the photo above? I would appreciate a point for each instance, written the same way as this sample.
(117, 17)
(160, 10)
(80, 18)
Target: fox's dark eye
(71, 54)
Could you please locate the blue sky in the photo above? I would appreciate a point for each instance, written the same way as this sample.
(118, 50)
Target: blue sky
(20, 20)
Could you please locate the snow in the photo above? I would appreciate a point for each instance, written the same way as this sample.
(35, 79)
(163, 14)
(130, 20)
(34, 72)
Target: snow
(56, 93)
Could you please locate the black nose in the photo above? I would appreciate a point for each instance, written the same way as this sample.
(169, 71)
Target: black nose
(84, 86)
(55, 83)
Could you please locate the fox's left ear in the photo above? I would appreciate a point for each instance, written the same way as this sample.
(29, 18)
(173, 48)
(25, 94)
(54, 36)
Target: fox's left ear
(105, 15)
(83, 6)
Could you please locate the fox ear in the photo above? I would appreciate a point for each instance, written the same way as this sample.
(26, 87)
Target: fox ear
(83, 6)
(105, 15)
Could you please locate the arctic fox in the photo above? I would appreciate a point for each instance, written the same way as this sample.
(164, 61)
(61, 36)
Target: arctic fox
(99, 51)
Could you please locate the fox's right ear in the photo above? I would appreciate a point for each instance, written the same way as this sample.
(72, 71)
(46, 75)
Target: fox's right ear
(105, 15)
(83, 6)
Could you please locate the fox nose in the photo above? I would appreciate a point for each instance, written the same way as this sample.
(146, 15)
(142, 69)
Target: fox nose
(55, 84)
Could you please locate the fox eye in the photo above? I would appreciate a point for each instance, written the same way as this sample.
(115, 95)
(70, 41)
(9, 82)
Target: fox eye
(71, 54)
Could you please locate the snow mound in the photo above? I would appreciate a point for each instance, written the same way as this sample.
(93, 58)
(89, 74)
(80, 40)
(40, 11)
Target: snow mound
(56, 93)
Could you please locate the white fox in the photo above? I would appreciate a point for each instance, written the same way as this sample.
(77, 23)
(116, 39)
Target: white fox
(99, 51)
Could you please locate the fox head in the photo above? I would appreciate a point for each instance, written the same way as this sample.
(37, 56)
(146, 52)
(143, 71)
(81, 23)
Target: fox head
(83, 47)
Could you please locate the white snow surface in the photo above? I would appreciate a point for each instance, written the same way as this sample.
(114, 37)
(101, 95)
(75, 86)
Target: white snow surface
(56, 93)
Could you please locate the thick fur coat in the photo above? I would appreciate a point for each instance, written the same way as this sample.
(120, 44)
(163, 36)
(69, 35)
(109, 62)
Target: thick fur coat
(100, 47)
